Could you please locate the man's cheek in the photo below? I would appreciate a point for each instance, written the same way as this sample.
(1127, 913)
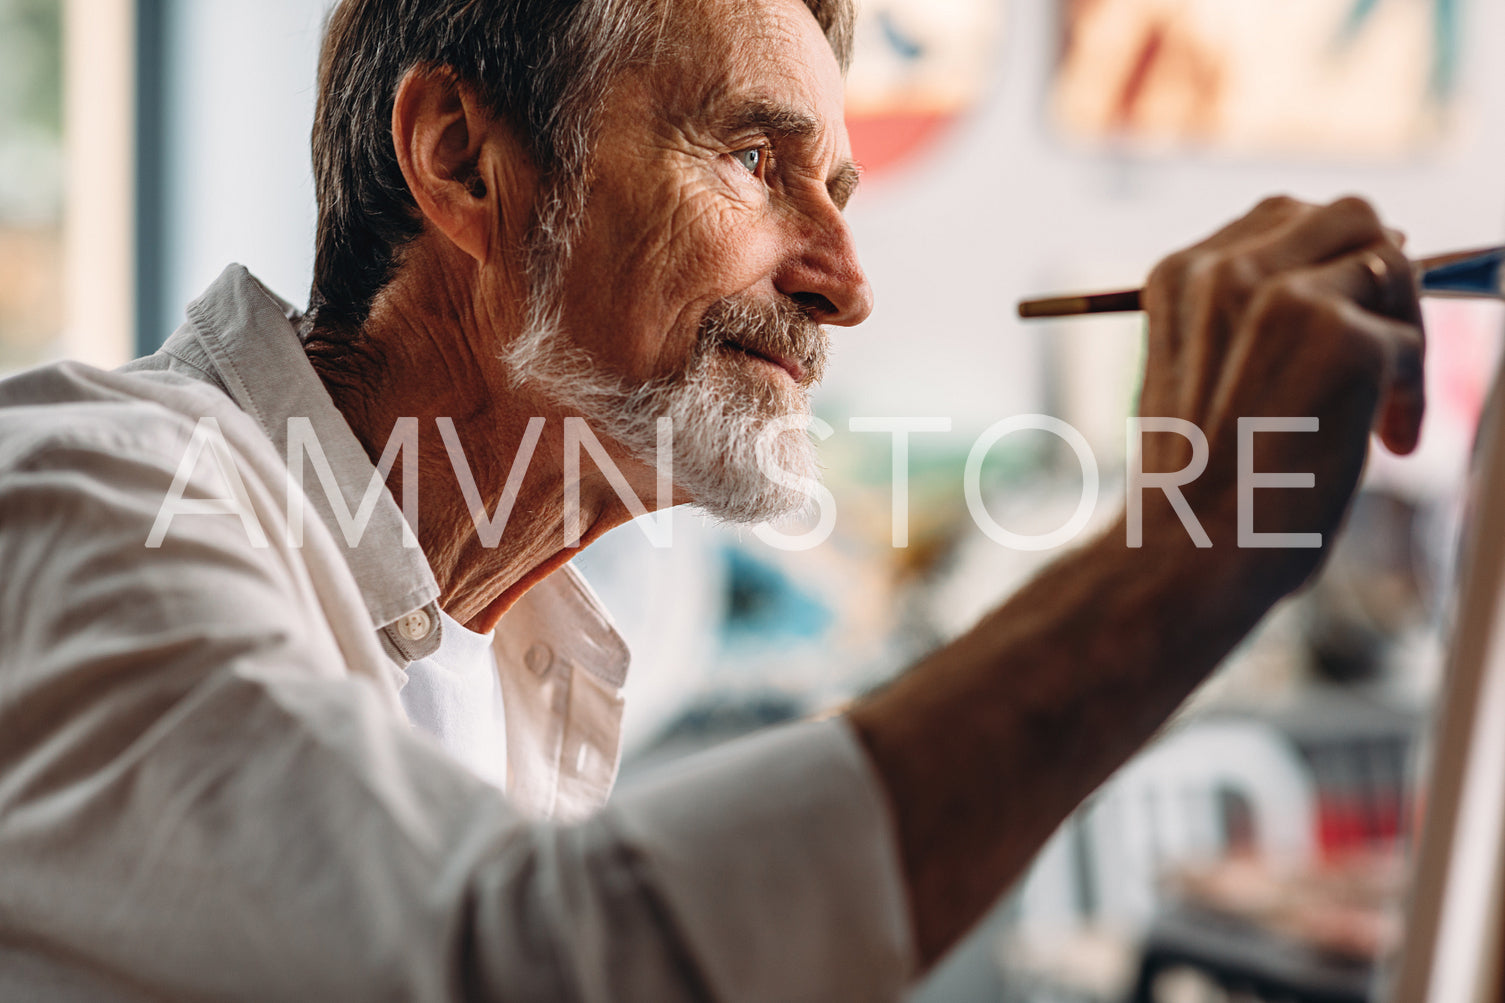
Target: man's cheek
(740, 254)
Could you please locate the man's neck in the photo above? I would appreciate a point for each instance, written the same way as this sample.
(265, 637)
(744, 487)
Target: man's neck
(421, 358)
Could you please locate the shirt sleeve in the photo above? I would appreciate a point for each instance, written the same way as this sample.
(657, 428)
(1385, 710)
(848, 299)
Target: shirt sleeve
(195, 803)
(776, 854)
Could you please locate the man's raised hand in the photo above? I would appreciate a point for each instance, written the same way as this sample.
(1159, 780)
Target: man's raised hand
(1292, 311)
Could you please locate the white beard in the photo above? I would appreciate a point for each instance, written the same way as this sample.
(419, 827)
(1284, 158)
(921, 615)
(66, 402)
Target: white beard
(720, 406)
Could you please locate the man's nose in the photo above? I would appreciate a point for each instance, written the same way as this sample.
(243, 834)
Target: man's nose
(824, 276)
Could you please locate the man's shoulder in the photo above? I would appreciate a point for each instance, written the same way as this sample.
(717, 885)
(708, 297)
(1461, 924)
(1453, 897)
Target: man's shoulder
(71, 408)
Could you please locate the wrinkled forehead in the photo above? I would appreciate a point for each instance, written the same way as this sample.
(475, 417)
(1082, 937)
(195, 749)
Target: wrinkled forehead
(715, 52)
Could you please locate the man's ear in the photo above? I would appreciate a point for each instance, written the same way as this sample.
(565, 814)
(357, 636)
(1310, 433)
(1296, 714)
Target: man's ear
(446, 145)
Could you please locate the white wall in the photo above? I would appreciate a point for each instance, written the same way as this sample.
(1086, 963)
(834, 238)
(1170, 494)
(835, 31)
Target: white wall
(953, 243)
(238, 187)
(950, 244)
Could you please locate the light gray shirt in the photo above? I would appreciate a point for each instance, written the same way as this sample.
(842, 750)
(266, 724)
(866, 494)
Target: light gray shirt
(209, 788)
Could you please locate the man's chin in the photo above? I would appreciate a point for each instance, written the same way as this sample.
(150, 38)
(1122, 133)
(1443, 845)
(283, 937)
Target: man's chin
(748, 490)
(771, 507)
(720, 410)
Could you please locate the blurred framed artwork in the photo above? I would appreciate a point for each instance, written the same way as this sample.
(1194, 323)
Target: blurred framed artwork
(918, 67)
(1350, 79)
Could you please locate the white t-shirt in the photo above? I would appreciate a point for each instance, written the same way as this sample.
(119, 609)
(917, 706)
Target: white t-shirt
(455, 696)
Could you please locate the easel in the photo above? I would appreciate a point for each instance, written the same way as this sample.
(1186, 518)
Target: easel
(1455, 931)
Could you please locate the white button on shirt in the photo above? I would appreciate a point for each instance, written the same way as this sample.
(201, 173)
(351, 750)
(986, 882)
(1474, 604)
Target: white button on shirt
(416, 625)
(210, 788)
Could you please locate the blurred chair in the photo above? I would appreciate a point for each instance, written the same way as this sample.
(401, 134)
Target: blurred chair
(1205, 790)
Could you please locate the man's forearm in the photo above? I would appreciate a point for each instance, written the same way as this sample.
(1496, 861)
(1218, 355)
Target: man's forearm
(1292, 310)
(989, 743)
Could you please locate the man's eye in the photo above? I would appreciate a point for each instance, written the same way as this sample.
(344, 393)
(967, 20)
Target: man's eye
(750, 158)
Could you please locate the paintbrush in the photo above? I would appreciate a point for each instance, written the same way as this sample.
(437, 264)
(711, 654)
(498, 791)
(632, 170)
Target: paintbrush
(1475, 274)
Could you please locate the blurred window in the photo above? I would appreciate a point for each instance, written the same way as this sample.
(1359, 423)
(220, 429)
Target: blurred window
(32, 181)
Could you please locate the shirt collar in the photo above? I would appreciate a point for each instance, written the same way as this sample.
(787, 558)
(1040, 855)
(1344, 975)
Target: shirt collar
(248, 339)
(243, 338)
(531, 628)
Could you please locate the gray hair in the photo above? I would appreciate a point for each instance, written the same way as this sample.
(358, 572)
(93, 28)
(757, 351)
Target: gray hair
(540, 65)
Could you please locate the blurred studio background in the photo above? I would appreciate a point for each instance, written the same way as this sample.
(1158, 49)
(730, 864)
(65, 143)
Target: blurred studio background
(1011, 147)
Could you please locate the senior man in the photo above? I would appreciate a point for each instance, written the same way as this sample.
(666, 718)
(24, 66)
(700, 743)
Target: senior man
(244, 759)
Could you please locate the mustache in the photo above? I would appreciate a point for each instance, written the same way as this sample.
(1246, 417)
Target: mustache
(776, 328)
